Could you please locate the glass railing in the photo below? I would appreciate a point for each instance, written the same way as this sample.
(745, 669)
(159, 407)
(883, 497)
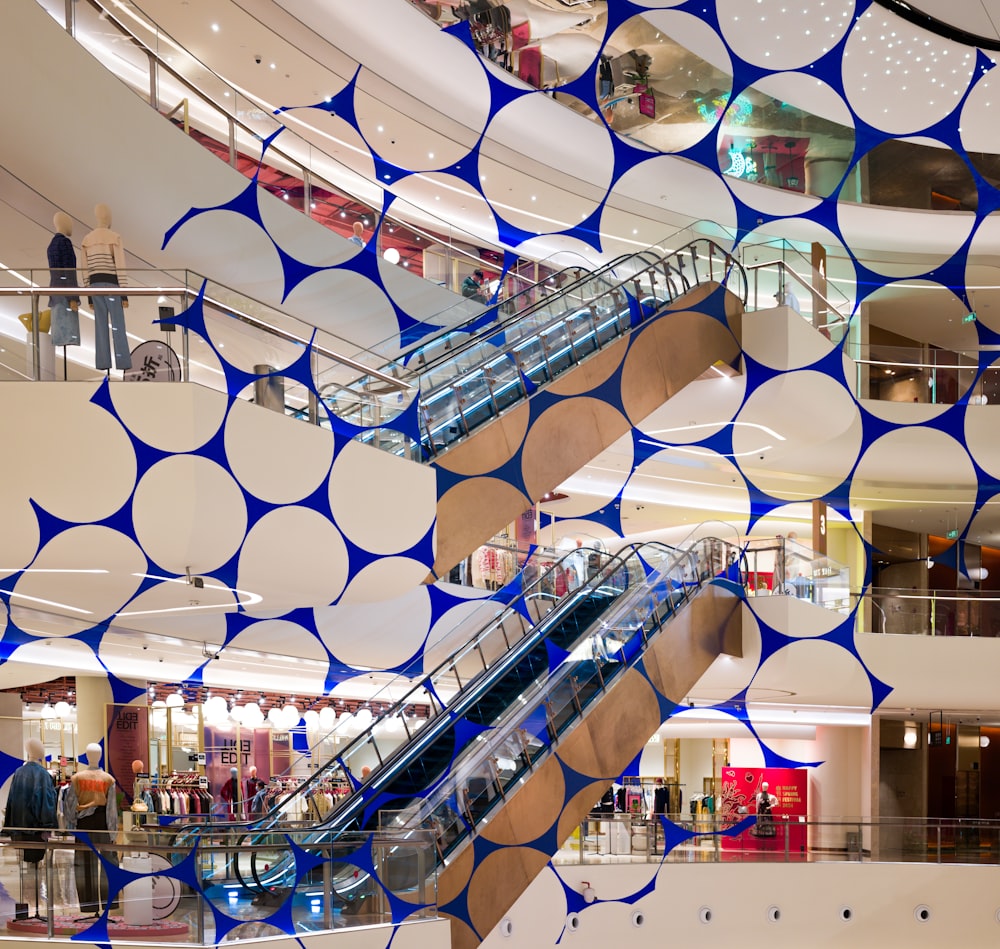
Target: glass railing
(782, 566)
(915, 612)
(465, 387)
(518, 699)
(779, 274)
(461, 382)
(922, 374)
(713, 838)
(143, 887)
(329, 182)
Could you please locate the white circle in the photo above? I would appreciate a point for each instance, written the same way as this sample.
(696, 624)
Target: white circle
(171, 418)
(577, 157)
(922, 913)
(74, 601)
(900, 470)
(774, 914)
(680, 189)
(293, 557)
(638, 919)
(573, 922)
(385, 576)
(391, 255)
(820, 446)
(189, 513)
(817, 667)
(779, 35)
(979, 135)
(267, 474)
(705, 914)
(382, 503)
(846, 913)
(59, 423)
(402, 623)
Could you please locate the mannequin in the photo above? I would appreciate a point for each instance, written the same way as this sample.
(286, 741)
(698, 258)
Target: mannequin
(358, 237)
(230, 793)
(765, 801)
(62, 273)
(31, 805)
(91, 805)
(104, 259)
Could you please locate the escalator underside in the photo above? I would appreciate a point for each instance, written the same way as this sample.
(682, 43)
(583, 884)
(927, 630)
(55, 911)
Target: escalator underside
(487, 480)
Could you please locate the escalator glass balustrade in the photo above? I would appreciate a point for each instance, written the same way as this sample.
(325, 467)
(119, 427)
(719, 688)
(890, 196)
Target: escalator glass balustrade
(466, 379)
(500, 704)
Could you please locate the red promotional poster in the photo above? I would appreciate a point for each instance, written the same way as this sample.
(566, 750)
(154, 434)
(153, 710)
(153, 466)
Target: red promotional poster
(777, 797)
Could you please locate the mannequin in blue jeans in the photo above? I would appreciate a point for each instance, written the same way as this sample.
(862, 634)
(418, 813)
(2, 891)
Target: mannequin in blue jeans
(104, 262)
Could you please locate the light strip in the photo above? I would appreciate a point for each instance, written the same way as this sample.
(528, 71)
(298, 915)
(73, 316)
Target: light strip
(35, 599)
(691, 428)
(49, 570)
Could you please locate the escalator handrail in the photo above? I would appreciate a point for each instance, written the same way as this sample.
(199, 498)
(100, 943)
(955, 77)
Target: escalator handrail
(396, 707)
(345, 818)
(481, 684)
(651, 261)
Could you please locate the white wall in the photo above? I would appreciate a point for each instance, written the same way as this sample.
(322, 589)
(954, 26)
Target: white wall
(962, 901)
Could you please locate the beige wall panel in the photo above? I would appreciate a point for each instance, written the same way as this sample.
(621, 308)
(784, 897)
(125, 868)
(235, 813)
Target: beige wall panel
(455, 877)
(470, 513)
(490, 446)
(606, 740)
(594, 371)
(564, 438)
(697, 635)
(532, 810)
(499, 879)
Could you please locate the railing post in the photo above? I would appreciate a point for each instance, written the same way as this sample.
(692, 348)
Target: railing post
(154, 81)
(36, 354)
(231, 140)
(328, 886)
(313, 398)
(70, 19)
(50, 907)
(787, 843)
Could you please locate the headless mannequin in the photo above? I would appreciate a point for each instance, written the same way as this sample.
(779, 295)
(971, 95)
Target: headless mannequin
(230, 793)
(62, 273)
(104, 259)
(31, 804)
(91, 805)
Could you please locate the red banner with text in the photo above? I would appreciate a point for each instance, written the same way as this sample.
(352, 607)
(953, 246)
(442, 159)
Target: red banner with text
(778, 797)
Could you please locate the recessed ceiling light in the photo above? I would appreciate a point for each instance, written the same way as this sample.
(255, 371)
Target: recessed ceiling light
(215, 27)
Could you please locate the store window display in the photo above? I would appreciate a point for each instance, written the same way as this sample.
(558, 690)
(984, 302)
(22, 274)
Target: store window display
(91, 805)
(104, 259)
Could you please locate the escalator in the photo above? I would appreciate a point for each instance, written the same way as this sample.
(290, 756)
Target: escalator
(531, 720)
(638, 330)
